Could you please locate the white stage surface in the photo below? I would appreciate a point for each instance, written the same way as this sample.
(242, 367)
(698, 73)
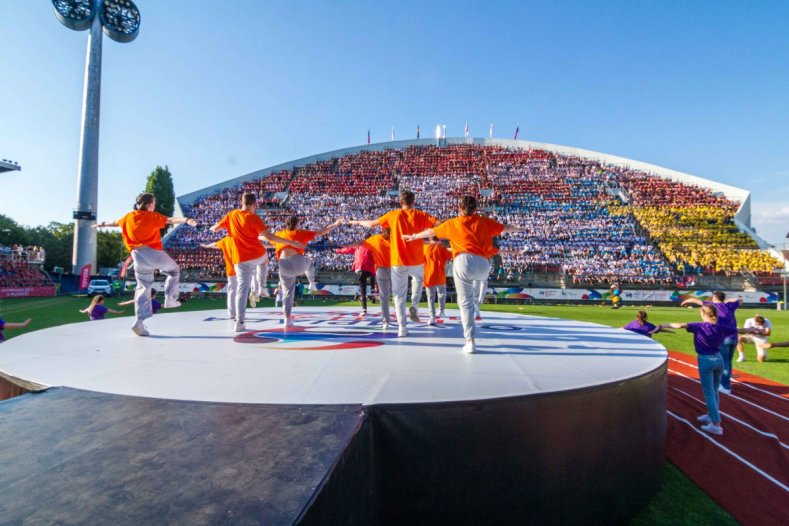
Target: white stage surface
(330, 357)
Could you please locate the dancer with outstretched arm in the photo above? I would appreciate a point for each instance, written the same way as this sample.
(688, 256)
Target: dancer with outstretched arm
(471, 238)
(436, 258)
(408, 259)
(141, 233)
(378, 245)
(292, 261)
(8, 325)
(244, 226)
(228, 249)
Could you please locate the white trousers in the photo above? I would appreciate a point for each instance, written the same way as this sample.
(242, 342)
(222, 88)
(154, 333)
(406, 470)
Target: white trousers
(432, 292)
(146, 261)
(244, 272)
(400, 274)
(260, 277)
(232, 288)
(480, 291)
(467, 269)
(383, 276)
(289, 269)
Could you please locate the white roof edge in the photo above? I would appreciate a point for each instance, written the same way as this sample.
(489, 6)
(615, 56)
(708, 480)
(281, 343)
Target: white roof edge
(736, 194)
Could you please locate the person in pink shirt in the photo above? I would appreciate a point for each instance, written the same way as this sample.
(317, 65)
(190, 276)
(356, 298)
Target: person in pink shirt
(364, 267)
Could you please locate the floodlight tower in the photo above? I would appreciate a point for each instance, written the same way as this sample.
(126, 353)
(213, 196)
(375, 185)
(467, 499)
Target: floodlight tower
(120, 20)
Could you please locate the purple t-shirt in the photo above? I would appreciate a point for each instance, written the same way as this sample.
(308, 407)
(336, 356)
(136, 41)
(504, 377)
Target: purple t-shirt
(726, 316)
(2, 324)
(98, 312)
(155, 306)
(707, 337)
(644, 330)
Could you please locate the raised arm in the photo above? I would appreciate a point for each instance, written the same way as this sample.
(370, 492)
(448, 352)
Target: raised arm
(421, 235)
(671, 326)
(21, 325)
(181, 220)
(328, 228)
(509, 228)
(692, 301)
(206, 245)
(280, 240)
(105, 224)
(366, 223)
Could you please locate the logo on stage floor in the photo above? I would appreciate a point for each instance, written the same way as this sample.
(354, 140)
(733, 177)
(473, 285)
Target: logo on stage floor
(316, 338)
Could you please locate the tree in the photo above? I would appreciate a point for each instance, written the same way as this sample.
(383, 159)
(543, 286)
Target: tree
(160, 184)
(11, 233)
(110, 249)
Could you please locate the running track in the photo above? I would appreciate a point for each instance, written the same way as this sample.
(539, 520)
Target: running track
(746, 470)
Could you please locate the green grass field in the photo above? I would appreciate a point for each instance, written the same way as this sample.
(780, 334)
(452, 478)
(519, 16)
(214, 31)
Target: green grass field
(679, 502)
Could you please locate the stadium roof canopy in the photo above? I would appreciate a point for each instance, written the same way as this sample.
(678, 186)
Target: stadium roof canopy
(7, 165)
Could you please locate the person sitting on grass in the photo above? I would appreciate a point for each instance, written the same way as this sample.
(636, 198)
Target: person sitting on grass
(96, 310)
(8, 325)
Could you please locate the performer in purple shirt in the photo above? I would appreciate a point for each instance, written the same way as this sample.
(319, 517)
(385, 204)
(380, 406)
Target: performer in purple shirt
(726, 318)
(641, 326)
(8, 325)
(96, 310)
(155, 305)
(708, 337)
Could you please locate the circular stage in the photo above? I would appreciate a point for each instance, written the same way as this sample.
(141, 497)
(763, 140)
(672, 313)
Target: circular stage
(330, 357)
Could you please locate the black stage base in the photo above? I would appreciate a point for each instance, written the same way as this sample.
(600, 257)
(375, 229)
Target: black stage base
(589, 456)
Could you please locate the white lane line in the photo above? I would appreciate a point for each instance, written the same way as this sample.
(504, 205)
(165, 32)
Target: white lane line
(735, 419)
(757, 406)
(732, 453)
(744, 384)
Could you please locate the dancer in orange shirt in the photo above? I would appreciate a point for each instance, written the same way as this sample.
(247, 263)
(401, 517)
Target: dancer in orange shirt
(378, 245)
(244, 226)
(293, 262)
(141, 234)
(436, 258)
(471, 238)
(228, 249)
(407, 258)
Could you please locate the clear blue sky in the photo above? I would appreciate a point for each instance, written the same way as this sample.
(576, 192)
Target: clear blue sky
(217, 89)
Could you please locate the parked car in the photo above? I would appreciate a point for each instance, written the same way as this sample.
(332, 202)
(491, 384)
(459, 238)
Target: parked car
(99, 286)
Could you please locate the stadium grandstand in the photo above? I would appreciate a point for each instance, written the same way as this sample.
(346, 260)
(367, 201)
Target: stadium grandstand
(590, 218)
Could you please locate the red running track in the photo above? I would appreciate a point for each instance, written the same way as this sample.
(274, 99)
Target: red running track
(746, 470)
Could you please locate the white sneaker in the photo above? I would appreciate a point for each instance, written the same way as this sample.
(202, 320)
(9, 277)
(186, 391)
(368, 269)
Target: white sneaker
(140, 330)
(470, 347)
(712, 429)
(252, 300)
(363, 313)
(402, 332)
(413, 314)
(704, 419)
(723, 390)
(172, 304)
(432, 321)
(741, 358)
(264, 294)
(385, 325)
(288, 323)
(239, 327)
(442, 314)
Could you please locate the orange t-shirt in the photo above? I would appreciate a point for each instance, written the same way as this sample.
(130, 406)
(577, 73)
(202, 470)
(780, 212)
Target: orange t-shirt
(141, 229)
(229, 254)
(436, 258)
(380, 249)
(302, 236)
(244, 227)
(402, 222)
(472, 234)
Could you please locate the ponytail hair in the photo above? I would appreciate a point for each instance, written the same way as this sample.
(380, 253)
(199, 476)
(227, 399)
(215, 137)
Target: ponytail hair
(711, 311)
(143, 200)
(641, 316)
(291, 222)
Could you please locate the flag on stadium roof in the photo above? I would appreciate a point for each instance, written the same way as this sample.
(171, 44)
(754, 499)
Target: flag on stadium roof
(417, 131)
(517, 131)
(368, 135)
(393, 133)
(467, 129)
(491, 130)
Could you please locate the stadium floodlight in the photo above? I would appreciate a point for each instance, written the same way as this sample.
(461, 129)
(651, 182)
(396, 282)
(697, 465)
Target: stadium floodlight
(119, 20)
